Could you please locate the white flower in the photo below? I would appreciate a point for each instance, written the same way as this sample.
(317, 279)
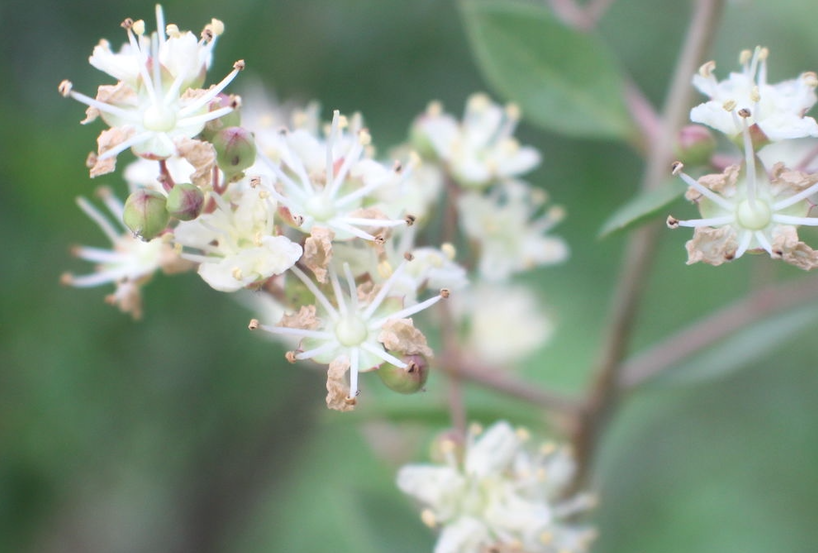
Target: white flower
(504, 322)
(154, 105)
(355, 328)
(237, 240)
(129, 264)
(499, 493)
(500, 223)
(479, 150)
(777, 109)
(330, 183)
(748, 210)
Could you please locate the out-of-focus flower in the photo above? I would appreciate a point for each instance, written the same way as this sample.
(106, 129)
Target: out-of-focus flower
(129, 264)
(497, 492)
(745, 209)
(357, 330)
(501, 224)
(156, 102)
(778, 110)
(504, 322)
(479, 150)
(237, 240)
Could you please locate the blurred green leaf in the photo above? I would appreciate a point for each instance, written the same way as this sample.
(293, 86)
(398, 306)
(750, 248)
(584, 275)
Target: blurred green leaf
(642, 207)
(742, 349)
(562, 79)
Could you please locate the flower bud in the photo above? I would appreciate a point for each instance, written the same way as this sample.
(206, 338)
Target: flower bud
(406, 380)
(185, 201)
(145, 213)
(235, 150)
(696, 145)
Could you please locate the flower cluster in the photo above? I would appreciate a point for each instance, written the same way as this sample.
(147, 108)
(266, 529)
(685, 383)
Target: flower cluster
(343, 250)
(754, 206)
(498, 493)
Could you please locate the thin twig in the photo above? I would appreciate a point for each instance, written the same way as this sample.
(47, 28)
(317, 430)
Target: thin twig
(500, 381)
(716, 326)
(602, 396)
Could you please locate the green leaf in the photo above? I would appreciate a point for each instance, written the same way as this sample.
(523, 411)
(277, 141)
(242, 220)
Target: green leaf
(563, 80)
(642, 207)
(740, 350)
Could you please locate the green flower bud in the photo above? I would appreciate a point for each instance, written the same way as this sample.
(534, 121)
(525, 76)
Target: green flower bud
(185, 201)
(145, 213)
(235, 150)
(407, 380)
(695, 145)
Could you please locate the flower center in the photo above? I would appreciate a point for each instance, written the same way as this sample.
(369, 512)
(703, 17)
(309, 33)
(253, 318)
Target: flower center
(320, 207)
(159, 118)
(753, 217)
(351, 331)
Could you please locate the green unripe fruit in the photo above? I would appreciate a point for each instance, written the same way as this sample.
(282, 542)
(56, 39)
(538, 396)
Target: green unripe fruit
(145, 214)
(408, 380)
(235, 150)
(185, 201)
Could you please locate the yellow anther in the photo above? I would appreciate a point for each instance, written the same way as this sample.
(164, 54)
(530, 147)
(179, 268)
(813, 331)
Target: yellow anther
(172, 30)
(138, 27)
(706, 70)
(428, 518)
(448, 250)
(434, 109)
(513, 111)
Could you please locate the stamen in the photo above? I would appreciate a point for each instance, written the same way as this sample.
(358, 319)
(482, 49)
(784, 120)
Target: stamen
(703, 190)
(383, 354)
(794, 199)
(353, 292)
(411, 310)
(790, 220)
(102, 222)
(749, 158)
(763, 241)
(353, 372)
(214, 91)
(336, 289)
(383, 291)
(319, 295)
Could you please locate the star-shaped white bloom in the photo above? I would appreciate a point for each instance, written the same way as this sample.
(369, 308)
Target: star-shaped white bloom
(330, 183)
(129, 264)
(778, 110)
(355, 328)
(745, 209)
(155, 104)
(498, 492)
(237, 240)
(481, 149)
(509, 240)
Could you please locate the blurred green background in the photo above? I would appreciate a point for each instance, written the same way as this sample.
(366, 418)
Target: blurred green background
(185, 433)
